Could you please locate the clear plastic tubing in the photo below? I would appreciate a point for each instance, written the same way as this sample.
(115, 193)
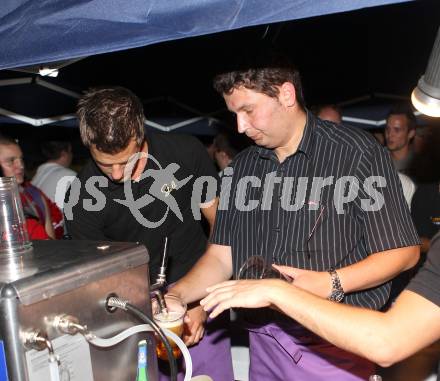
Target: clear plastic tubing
(54, 373)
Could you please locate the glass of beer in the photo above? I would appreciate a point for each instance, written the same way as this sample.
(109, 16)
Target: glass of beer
(170, 318)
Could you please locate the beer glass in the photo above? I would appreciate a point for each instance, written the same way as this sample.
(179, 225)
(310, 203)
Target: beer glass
(14, 236)
(172, 319)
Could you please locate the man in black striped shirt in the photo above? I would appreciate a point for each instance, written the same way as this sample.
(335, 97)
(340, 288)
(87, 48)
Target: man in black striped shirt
(321, 198)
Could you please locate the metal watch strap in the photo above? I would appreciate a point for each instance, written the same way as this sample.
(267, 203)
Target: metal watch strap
(337, 293)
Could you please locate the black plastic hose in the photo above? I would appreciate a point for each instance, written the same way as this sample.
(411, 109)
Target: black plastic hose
(124, 305)
(141, 316)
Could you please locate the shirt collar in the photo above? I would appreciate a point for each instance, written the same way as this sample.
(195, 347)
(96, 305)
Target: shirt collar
(306, 144)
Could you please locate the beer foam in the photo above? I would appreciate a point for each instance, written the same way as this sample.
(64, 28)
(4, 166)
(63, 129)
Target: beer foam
(169, 320)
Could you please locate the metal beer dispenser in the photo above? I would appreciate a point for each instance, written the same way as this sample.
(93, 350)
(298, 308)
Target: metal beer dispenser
(55, 317)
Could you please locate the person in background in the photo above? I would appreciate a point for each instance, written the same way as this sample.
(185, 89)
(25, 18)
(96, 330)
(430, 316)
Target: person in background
(425, 211)
(379, 135)
(411, 324)
(208, 142)
(224, 151)
(38, 209)
(54, 176)
(329, 112)
(349, 256)
(421, 138)
(160, 169)
(425, 208)
(399, 133)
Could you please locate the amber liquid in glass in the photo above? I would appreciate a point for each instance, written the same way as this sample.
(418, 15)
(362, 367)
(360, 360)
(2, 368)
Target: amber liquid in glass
(174, 322)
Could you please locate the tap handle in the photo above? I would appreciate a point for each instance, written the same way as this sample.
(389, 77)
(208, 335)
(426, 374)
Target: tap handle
(161, 277)
(164, 254)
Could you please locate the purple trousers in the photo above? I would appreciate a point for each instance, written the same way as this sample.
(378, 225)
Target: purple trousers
(287, 351)
(211, 356)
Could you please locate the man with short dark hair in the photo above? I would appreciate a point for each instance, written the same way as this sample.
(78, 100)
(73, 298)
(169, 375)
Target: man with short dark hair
(142, 186)
(399, 133)
(285, 202)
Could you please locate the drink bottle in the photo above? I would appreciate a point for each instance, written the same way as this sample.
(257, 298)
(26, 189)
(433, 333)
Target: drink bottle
(142, 374)
(375, 377)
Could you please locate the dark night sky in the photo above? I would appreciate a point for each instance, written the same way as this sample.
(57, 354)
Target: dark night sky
(341, 56)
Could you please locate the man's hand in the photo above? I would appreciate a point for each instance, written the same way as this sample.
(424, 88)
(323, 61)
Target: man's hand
(194, 325)
(241, 293)
(316, 282)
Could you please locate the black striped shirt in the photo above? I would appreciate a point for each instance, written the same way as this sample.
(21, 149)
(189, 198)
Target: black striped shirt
(316, 236)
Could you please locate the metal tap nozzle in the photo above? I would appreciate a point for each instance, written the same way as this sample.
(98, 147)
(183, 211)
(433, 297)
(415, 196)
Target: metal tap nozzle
(161, 277)
(161, 300)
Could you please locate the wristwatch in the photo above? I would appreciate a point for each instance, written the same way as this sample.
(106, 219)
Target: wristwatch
(337, 293)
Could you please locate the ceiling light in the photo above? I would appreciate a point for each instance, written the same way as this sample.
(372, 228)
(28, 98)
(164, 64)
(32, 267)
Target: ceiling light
(48, 72)
(426, 96)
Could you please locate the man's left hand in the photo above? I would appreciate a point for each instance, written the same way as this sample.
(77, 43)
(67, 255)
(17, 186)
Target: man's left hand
(241, 293)
(316, 282)
(194, 325)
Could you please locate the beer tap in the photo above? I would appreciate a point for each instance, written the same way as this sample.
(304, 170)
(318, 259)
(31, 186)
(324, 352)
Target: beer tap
(157, 288)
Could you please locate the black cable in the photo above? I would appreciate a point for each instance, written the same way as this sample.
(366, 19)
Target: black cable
(141, 316)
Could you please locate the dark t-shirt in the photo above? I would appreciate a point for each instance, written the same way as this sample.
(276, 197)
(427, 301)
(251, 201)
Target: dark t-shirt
(427, 281)
(425, 209)
(425, 213)
(165, 198)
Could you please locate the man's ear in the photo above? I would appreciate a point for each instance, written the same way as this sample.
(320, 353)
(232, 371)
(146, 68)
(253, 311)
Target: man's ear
(412, 133)
(287, 94)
